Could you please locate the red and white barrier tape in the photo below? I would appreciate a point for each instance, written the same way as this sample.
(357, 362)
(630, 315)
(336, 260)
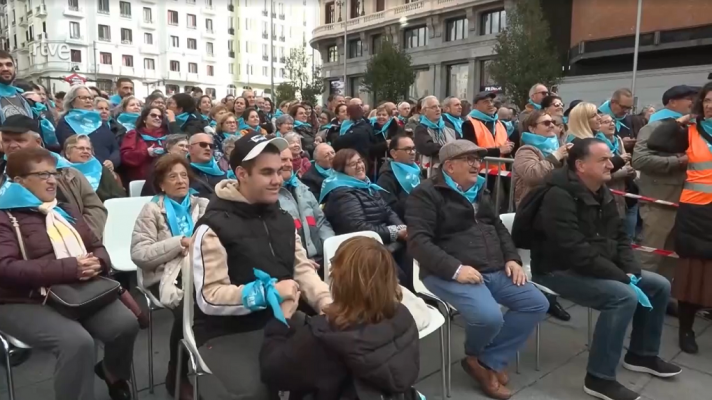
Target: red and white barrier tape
(664, 253)
(502, 173)
(644, 198)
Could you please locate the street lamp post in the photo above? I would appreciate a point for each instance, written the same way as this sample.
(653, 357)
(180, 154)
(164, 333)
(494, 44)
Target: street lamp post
(637, 46)
(343, 4)
(271, 49)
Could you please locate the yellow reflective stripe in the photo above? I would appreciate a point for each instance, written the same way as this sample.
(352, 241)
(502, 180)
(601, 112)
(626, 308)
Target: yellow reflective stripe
(699, 187)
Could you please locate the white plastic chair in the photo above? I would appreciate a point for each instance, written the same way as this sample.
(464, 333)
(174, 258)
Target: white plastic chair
(153, 305)
(332, 244)
(119, 227)
(135, 188)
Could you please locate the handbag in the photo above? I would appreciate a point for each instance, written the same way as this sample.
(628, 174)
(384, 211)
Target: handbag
(74, 300)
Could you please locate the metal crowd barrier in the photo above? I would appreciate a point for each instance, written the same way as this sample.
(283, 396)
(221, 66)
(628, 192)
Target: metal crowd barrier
(498, 181)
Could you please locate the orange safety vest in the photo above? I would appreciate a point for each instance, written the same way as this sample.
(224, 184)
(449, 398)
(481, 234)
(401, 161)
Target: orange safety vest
(698, 185)
(488, 141)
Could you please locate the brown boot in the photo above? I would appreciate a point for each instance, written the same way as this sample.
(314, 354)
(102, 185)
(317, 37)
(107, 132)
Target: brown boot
(486, 378)
(186, 389)
(502, 377)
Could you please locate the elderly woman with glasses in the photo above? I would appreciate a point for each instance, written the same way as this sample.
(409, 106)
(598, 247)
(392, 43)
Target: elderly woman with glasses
(143, 144)
(80, 118)
(44, 243)
(177, 144)
(284, 124)
(300, 160)
(105, 182)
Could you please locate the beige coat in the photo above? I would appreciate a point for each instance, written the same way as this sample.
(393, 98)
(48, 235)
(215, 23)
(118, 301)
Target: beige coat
(79, 193)
(529, 170)
(157, 252)
(661, 174)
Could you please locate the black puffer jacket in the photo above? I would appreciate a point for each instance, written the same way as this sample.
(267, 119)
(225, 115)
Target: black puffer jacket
(194, 124)
(308, 137)
(352, 210)
(313, 179)
(444, 231)
(359, 137)
(204, 183)
(394, 195)
(384, 356)
(580, 230)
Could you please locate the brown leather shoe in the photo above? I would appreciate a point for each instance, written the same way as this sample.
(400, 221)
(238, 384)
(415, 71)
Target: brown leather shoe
(486, 378)
(502, 377)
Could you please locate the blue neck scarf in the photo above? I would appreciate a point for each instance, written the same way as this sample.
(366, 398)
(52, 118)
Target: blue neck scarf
(613, 145)
(61, 161)
(16, 196)
(605, 108)
(83, 122)
(49, 136)
(536, 106)
(92, 170)
(565, 119)
(278, 113)
(383, 130)
(128, 120)
(9, 90)
(471, 193)
(456, 123)
(323, 172)
(180, 220)
(707, 125)
(402, 119)
(546, 145)
(115, 100)
(408, 175)
(209, 167)
(642, 297)
(231, 174)
(342, 180)
(664, 114)
(570, 138)
(261, 293)
(182, 118)
(241, 125)
(298, 124)
(158, 140)
(509, 126)
(228, 134)
(477, 114)
(6, 184)
(438, 127)
(293, 181)
(345, 126)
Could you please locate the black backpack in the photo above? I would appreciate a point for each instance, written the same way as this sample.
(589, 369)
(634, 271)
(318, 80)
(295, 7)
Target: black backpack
(523, 227)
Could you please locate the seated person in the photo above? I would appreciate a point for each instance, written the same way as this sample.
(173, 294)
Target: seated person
(102, 178)
(581, 251)
(241, 243)
(159, 247)
(468, 259)
(296, 199)
(202, 163)
(31, 260)
(353, 341)
(21, 132)
(400, 175)
(183, 116)
(314, 177)
(177, 144)
(143, 144)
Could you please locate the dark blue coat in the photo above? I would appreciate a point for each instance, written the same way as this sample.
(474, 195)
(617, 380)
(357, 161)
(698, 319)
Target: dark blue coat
(103, 141)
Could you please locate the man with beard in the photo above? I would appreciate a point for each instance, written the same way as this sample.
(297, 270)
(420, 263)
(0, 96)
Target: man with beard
(11, 100)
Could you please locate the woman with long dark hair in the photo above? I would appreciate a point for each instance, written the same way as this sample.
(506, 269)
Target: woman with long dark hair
(141, 145)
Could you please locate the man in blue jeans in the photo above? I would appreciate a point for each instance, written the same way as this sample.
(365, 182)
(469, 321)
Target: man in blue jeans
(580, 250)
(468, 259)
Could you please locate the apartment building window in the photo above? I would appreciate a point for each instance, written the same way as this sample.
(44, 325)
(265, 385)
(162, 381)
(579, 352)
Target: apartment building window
(103, 7)
(192, 68)
(264, 71)
(74, 31)
(126, 36)
(355, 48)
(230, 43)
(104, 33)
(209, 3)
(208, 25)
(230, 22)
(125, 8)
(147, 15)
(380, 5)
(210, 70)
(191, 21)
(457, 76)
(149, 63)
(127, 60)
(172, 17)
(487, 82)
(493, 22)
(147, 38)
(376, 41)
(230, 67)
(175, 42)
(264, 51)
(209, 48)
(105, 58)
(333, 53)
(74, 5)
(76, 56)
(456, 29)
(192, 44)
(329, 13)
(356, 8)
(416, 37)
(175, 66)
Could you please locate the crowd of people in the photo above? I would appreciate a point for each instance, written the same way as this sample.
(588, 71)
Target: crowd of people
(244, 193)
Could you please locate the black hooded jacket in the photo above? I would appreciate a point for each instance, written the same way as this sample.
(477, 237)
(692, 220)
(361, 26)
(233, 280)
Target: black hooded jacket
(394, 195)
(317, 359)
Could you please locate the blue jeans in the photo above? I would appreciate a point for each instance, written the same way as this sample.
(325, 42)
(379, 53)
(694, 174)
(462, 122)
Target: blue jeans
(492, 338)
(618, 305)
(631, 221)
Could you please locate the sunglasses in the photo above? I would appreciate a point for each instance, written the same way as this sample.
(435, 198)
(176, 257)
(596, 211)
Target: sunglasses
(156, 116)
(546, 123)
(205, 145)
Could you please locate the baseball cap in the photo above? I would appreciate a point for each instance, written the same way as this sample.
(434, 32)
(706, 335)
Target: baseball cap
(484, 95)
(459, 148)
(250, 146)
(19, 123)
(679, 92)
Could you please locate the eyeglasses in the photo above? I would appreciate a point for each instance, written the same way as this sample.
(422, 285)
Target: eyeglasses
(230, 123)
(205, 145)
(408, 149)
(44, 175)
(355, 164)
(624, 108)
(546, 123)
(558, 105)
(83, 148)
(156, 116)
(545, 93)
(470, 159)
(607, 122)
(85, 98)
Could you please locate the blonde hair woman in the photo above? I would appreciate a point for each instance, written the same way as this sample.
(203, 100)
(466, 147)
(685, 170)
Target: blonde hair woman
(584, 122)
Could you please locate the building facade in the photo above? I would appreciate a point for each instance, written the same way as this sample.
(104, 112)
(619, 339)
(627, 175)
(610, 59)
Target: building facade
(450, 42)
(170, 46)
(261, 51)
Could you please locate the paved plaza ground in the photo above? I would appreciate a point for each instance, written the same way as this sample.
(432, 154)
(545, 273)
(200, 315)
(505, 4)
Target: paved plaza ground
(563, 362)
